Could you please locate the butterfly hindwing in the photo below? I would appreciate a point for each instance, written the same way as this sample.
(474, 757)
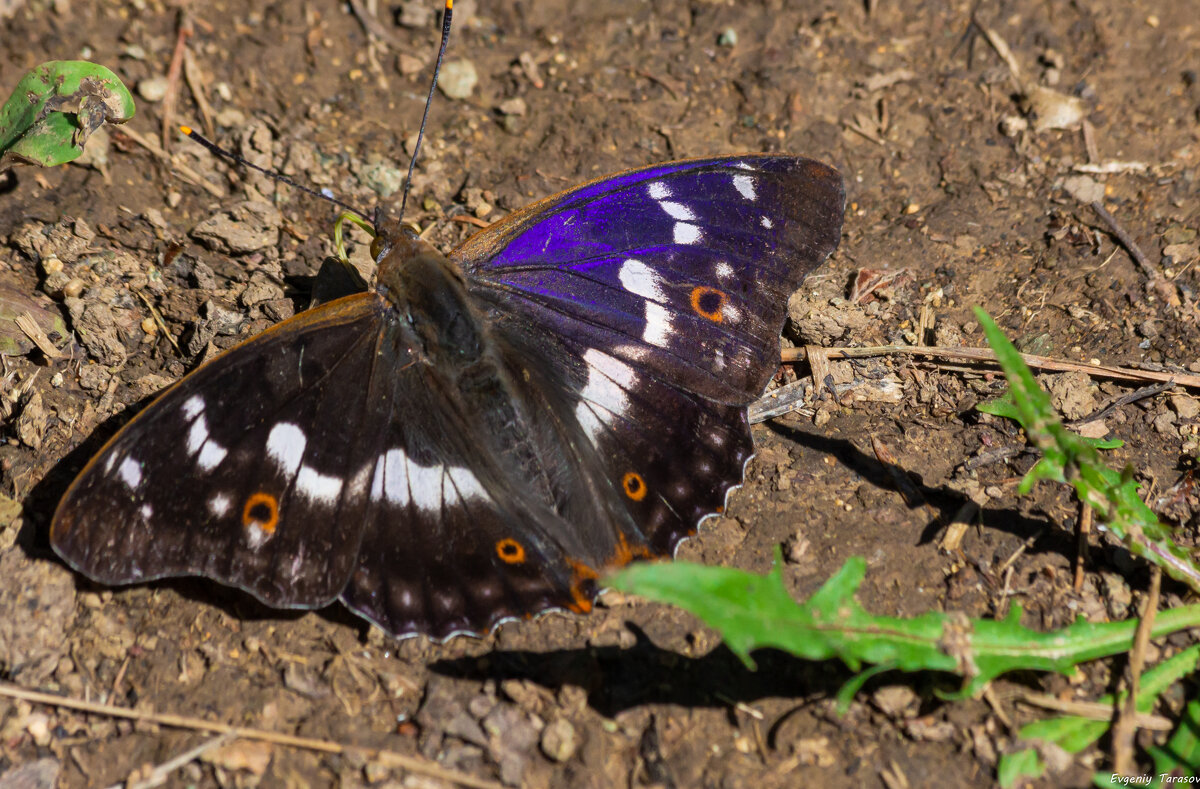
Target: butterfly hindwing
(251, 470)
(478, 512)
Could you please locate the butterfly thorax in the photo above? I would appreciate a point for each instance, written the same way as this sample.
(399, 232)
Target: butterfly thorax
(467, 368)
(429, 292)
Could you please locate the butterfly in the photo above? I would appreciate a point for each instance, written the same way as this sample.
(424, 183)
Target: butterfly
(479, 435)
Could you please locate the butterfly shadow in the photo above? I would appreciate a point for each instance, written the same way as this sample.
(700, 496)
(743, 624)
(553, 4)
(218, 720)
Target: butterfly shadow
(1045, 535)
(617, 679)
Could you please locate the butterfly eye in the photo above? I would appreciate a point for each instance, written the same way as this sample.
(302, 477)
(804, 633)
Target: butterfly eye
(709, 303)
(635, 486)
(510, 551)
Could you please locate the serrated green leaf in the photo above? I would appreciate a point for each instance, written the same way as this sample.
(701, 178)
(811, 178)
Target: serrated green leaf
(1073, 733)
(1070, 458)
(1180, 757)
(754, 611)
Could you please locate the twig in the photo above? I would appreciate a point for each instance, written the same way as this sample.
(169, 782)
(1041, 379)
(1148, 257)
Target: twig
(792, 355)
(158, 319)
(1082, 530)
(388, 758)
(1091, 710)
(1126, 722)
(372, 26)
(908, 491)
(26, 323)
(182, 170)
(1126, 240)
(173, 73)
(1117, 402)
(995, 455)
(195, 83)
(159, 774)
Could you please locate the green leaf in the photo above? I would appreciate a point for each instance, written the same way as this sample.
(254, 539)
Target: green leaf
(754, 611)
(1181, 755)
(1073, 733)
(1070, 458)
(55, 108)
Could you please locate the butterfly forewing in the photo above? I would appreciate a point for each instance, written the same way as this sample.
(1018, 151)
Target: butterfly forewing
(682, 269)
(251, 470)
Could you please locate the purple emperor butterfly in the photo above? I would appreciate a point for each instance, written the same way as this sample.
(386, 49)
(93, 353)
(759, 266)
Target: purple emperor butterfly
(481, 434)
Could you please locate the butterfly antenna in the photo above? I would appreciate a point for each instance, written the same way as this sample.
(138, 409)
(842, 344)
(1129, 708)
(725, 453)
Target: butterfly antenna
(437, 67)
(233, 157)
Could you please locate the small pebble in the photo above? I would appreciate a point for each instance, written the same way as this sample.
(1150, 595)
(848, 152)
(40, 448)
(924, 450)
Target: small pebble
(513, 106)
(728, 38)
(153, 88)
(230, 118)
(149, 326)
(73, 288)
(458, 79)
(408, 65)
(559, 740)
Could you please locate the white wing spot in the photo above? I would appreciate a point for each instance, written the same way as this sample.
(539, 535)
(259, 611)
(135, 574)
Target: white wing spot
(315, 486)
(391, 480)
(658, 324)
(686, 234)
(659, 191)
(677, 211)
(219, 505)
(608, 379)
(197, 435)
(745, 186)
(358, 483)
(466, 483)
(130, 472)
(743, 165)
(636, 277)
(256, 536)
(198, 440)
(767, 223)
(426, 486)
(193, 406)
(731, 313)
(146, 511)
(211, 455)
(724, 270)
(108, 464)
(285, 446)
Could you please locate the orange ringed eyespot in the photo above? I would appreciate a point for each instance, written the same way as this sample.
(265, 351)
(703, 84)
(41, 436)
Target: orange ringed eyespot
(261, 511)
(635, 486)
(510, 551)
(708, 303)
(583, 586)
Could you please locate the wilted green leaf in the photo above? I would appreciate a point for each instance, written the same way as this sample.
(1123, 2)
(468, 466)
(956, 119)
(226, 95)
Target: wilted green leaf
(55, 107)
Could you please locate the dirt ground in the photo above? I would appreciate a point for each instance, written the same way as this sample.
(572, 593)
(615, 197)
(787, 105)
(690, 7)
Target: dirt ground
(954, 186)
